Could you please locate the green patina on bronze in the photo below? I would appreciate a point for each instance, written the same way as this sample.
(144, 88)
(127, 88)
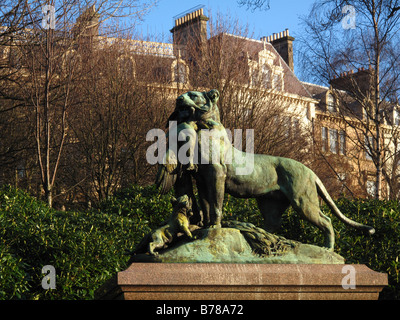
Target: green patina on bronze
(276, 183)
(240, 243)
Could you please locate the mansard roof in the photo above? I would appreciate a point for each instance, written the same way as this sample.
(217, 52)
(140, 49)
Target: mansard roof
(254, 48)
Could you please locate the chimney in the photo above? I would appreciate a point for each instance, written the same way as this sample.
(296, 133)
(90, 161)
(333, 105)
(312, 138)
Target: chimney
(87, 24)
(191, 27)
(356, 83)
(283, 43)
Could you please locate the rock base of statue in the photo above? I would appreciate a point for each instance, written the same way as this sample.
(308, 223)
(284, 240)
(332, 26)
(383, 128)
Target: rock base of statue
(248, 244)
(221, 281)
(242, 262)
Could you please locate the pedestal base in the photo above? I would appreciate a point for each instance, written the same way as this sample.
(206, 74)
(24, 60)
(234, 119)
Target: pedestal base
(199, 281)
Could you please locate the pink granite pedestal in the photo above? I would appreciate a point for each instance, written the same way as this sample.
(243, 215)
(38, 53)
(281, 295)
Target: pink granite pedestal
(217, 281)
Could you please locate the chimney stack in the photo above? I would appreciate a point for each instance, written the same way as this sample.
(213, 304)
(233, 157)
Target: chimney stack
(87, 24)
(357, 83)
(283, 43)
(190, 27)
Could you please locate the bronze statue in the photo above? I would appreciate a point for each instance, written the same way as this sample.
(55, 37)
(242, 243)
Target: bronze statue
(163, 236)
(275, 182)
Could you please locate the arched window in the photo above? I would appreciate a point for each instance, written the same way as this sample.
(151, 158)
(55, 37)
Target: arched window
(72, 61)
(180, 73)
(126, 66)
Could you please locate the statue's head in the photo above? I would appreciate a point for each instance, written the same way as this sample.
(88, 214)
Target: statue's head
(189, 102)
(183, 205)
(196, 99)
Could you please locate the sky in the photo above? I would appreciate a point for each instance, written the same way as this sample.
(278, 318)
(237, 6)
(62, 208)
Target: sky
(281, 15)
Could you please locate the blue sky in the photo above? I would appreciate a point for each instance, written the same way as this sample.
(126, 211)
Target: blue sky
(281, 15)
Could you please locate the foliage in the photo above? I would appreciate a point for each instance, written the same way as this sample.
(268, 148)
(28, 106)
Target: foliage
(380, 252)
(87, 248)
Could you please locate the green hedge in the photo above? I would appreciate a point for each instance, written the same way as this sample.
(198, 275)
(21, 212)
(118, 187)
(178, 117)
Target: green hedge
(86, 248)
(379, 252)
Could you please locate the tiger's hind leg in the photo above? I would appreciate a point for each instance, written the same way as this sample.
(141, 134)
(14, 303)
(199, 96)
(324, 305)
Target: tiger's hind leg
(272, 210)
(309, 210)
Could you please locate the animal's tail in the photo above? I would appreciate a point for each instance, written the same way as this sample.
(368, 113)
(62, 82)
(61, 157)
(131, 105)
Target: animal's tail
(327, 198)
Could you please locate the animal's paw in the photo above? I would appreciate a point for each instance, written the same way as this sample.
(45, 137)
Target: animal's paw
(329, 248)
(215, 226)
(191, 167)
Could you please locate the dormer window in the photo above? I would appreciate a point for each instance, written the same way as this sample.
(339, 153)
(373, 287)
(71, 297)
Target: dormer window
(265, 72)
(179, 72)
(330, 103)
(266, 76)
(278, 82)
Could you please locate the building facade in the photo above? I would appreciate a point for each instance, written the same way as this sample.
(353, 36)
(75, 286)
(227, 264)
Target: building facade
(259, 90)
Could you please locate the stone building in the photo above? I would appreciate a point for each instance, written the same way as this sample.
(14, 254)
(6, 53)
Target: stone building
(345, 135)
(265, 65)
(336, 115)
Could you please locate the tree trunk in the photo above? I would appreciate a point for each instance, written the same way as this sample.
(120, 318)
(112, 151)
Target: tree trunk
(47, 132)
(49, 197)
(378, 150)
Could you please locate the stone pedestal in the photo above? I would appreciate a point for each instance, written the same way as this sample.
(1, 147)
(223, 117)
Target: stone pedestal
(217, 281)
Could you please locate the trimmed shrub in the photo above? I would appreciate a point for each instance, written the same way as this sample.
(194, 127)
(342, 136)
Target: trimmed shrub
(380, 251)
(87, 248)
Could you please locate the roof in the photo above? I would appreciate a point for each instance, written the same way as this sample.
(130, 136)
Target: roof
(253, 48)
(315, 90)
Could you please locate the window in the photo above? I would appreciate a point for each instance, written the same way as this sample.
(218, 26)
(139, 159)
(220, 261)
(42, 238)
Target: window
(180, 73)
(266, 76)
(291, 126)
(278, 82)
(342, 142)
(72, 61)
(126, 67)
(369, 145)
(295, 127)
(371, 188)
(21, 171)
(333, 140)
(253, 77)
(330, 103)
(248, 113)
(16, 58)
(324, 138)
(396, 116)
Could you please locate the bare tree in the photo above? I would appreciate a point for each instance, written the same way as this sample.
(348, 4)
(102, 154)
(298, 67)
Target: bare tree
(131, 96)
(48, 49)
(255, 4)
(252, 91)
(367, 43)
(15, 145)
